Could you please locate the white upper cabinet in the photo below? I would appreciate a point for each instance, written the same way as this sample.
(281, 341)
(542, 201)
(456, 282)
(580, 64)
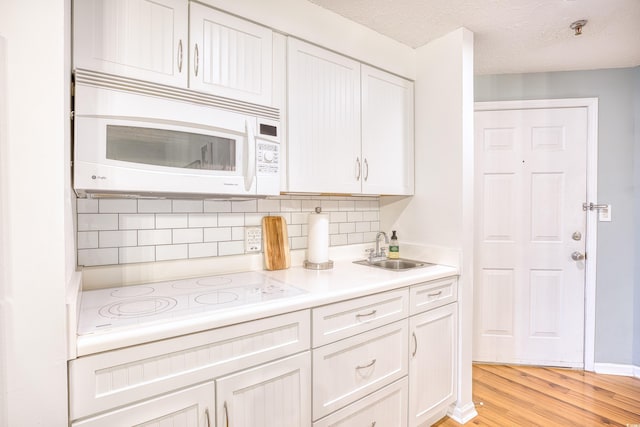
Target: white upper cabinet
(324, 120)
(229, 56)
(350, 125)
(141, 39)
(387, 133)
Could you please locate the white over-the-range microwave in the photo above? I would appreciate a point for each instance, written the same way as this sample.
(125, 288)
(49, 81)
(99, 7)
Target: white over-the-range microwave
(143, 139)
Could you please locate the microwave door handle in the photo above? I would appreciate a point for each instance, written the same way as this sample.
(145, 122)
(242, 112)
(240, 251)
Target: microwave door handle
(250, 158)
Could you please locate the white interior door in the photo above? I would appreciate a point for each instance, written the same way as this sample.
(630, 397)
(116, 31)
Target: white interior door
(531, 183)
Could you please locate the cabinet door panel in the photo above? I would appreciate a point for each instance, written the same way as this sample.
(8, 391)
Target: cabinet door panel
(135, 38)
(324, 120)
(387, 133)
(192, 407)
(272, 395)
(229, 56)
(432, 365)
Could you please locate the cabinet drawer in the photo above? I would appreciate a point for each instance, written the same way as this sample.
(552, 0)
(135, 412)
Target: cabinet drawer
(344, 319)
(433, 294)
(384, 408)
(348, 370)
(192, 406)
(115, 378)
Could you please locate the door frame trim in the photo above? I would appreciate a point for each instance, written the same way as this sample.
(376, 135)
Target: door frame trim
(591, 104)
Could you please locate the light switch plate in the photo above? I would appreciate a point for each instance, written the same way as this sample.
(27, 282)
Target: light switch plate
(604, 215)
(253, 239)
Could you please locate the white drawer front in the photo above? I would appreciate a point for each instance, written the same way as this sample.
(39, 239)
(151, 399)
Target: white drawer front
(429, 295)
(344, 319)
(106, 380)
(384, 408)
(354, 367)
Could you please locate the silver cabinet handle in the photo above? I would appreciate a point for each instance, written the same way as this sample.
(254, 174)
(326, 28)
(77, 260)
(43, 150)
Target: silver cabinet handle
(368, 365)
(371, 313)
(206, 414)
(180, 56)
(366, 169)
(226, 414)
(358, 167)
(415, 341)
(435, 294)
(196, 59)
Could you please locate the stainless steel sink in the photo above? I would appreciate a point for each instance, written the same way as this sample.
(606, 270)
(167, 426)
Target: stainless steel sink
(400, 264)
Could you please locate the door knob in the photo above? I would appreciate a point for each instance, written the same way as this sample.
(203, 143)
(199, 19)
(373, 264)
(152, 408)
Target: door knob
(577, 256)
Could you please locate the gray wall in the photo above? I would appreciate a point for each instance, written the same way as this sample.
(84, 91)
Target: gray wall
(616, 272)
(636, 234)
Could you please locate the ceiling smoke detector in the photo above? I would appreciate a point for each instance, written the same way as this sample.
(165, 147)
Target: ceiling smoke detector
(577, 26)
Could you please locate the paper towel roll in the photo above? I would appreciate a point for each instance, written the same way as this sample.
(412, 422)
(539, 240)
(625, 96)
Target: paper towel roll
(318, 240)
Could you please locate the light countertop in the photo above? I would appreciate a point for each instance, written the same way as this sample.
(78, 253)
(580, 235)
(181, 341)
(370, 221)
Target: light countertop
(345, 281)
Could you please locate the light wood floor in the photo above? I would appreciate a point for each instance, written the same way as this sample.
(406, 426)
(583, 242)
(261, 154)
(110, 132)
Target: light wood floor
(531, 396)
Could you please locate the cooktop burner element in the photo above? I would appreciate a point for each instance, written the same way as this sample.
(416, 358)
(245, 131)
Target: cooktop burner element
(106, 309)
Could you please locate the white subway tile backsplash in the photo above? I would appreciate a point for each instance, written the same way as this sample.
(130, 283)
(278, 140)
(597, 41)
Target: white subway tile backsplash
(154, 237)
(154, 206)
(217, 234)
(203, 220)
(268, 205)
(172, 221)
(230, 248)
(87, 205)
(87, 239)
(291, 205)
(92, 222)
(244, 206)
(298, 242)
(354, 216)
(136, 254)
(136, 221)
(230, 219)
(237, 233)
(91, 257)
(201, 250)
(119, 238)
(112, 231)
(118, 206)
(168, 252)
(187, 235)
(337, 217)
(253, 219)
(187, 206)
(217, 206)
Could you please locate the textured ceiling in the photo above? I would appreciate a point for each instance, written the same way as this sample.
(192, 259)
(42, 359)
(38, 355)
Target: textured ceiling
(512, 36)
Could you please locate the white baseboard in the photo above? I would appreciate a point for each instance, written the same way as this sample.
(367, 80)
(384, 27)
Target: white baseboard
(463, 414)
(617, 369)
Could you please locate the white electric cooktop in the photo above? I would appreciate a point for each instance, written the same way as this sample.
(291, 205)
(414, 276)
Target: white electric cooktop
(106, 309)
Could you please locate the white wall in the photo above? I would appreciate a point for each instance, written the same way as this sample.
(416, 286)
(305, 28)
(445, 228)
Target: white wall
(315, 24)
(32, 199)
(441, 211)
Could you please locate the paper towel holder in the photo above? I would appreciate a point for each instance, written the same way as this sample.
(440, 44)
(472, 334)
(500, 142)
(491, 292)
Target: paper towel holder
(318, 265)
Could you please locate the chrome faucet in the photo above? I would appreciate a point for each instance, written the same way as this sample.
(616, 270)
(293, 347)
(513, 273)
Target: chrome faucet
(379, 253)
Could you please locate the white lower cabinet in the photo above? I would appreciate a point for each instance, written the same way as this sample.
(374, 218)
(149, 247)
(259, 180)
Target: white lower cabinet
(432, 365)
(191, 407)
(347, 370)
(386, 407)
(276, 394)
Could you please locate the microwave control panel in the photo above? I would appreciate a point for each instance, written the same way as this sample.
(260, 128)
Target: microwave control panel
(268, 157)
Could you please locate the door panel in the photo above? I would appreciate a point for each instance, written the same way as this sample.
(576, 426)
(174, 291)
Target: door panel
(531, 183)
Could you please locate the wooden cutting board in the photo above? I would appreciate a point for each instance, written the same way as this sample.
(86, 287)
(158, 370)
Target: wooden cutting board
(275, 243)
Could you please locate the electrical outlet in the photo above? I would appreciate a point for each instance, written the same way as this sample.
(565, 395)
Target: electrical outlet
(253, 239)
(604, 215)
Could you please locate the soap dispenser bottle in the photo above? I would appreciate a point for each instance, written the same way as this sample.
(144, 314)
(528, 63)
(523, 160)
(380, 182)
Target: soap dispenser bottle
(394, 248)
